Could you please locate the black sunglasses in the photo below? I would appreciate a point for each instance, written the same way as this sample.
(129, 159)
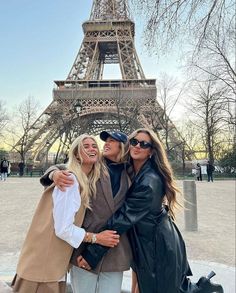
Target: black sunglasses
(143, 144)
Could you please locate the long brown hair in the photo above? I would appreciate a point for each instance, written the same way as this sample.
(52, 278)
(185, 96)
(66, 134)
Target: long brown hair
(163, 166)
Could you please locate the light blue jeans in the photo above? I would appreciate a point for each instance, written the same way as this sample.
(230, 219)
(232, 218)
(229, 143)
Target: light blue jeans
(4, 176)
(83, 281)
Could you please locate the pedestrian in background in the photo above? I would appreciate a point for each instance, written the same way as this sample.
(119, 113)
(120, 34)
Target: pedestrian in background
(210, 170)
(198, 172)
(21, 166)
(4, 169)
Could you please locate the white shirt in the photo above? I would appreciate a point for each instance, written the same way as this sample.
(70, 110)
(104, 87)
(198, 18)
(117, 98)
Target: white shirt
(65, 205)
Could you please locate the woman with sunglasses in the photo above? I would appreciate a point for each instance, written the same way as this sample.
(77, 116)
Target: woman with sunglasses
(110, 194)
(56, 226)
(160, 260)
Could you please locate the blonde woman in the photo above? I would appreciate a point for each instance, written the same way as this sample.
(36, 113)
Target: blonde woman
(55, 229)
(111, 190)
(160, 260)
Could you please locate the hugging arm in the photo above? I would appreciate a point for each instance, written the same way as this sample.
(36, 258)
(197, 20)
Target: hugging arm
(59, 176)
(45, 179)
(137, 205)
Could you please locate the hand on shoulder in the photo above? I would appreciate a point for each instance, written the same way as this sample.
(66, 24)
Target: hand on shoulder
(62, 179)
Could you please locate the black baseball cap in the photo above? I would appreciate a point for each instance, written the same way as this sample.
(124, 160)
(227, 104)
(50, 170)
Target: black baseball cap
(117, 135)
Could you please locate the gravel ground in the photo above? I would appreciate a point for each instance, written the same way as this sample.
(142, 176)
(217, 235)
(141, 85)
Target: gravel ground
(214, 242)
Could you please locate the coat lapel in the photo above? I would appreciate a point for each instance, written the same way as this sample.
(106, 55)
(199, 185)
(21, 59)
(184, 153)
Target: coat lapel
(107, 191)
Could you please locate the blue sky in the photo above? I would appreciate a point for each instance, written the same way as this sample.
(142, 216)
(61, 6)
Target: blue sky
(39, 40)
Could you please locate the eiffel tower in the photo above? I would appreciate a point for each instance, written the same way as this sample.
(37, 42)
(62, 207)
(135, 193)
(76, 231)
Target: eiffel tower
(85, 102)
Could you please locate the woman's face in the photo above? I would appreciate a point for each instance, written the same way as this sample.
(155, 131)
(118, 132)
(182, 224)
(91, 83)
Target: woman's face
(89, 151)
(141, 148)
(111, 149)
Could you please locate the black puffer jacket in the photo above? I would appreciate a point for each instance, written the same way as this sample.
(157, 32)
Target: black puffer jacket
(158, 248)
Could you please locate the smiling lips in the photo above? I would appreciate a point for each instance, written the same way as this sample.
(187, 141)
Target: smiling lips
(107, 149)
(91, 155)
(136, 152)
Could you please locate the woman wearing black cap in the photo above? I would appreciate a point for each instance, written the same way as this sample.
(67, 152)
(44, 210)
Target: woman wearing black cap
(114, 153)
(111, 190)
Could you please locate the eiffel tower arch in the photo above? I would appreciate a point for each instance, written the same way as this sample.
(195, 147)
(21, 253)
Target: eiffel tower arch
(85, 102)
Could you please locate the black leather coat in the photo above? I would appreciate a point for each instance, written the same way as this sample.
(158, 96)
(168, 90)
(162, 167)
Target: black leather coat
(158, 248)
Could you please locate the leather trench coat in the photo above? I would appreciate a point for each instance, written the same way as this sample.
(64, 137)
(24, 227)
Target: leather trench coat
(159, 253)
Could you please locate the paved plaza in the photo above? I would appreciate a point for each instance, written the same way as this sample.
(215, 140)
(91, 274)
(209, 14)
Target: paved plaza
(212, 247)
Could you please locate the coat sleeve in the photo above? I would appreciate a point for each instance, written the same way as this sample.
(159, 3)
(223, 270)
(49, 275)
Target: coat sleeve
(137, 205)
(45, 180)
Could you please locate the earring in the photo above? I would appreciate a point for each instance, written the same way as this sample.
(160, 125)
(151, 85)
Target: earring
(150, 156)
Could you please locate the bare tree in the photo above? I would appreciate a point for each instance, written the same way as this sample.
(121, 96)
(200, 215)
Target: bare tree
(169, 94)
(209, 107)
(189, 129)
(217, 59)
(126, 113)
(3, 118)
(67, 132)
(168, 21)
(25, 114)
(192, 140)
(216, 62)
(205, 30)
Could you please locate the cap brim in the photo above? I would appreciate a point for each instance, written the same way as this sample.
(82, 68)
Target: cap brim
(104, 135)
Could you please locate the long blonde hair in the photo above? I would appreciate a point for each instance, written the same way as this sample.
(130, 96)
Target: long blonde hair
(163, 166)
(87, 182)
(124, 150)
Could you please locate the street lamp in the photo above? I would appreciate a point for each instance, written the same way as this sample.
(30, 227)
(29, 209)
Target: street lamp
(78, 107)
(46, 162)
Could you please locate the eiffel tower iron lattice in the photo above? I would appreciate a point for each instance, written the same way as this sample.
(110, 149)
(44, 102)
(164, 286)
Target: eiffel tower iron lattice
(85, 102)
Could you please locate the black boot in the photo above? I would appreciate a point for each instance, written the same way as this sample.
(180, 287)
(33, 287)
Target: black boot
(206, 286)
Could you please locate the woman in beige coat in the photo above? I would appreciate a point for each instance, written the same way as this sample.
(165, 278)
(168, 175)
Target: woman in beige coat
(111, 190)
(55, 229)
